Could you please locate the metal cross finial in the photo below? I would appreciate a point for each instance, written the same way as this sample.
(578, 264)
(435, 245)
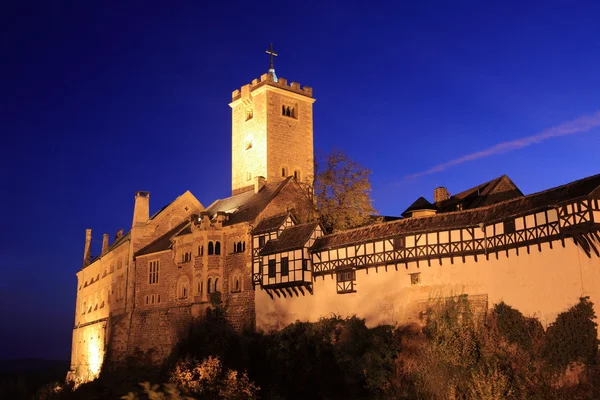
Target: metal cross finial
(271, 53)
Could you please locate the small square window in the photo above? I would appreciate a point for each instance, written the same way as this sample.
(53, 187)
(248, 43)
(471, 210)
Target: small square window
(415, 279)
(509, 226)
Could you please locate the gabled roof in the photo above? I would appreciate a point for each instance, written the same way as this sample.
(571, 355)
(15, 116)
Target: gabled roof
(292, 238)
(420, 204)
(245, 207)
(535, 202)
(163, 242)
(491, 192)
(270, 224)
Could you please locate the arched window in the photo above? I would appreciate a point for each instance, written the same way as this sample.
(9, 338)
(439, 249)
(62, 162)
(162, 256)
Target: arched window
(283, 172)
(217, 288)
(243, 246)
(282, 110)
(217, 248)
(239, 247)
(200, 250)
(208, 285)
(297, 175)
(200, 287)
(182, 288)
(234, 248)
(287, 112)
(211, 248)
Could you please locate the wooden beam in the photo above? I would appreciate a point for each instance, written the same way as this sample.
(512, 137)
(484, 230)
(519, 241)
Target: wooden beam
(301, 290)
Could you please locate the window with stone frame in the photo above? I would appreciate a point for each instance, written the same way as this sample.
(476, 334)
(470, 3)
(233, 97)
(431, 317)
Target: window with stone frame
(153, 267)
(415, 278)
(346, 280)
(183, 288)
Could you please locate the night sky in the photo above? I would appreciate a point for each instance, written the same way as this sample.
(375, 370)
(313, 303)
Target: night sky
(98, 101)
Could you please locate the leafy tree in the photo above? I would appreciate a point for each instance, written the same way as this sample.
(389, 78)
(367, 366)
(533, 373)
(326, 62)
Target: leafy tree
(343, 192)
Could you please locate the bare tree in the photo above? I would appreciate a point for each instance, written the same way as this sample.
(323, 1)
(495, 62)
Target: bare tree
(342, 192)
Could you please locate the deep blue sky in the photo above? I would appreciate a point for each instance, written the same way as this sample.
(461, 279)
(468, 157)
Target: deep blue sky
(99, 101)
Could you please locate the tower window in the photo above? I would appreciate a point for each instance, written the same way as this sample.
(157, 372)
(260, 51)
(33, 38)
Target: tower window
(288, 111)
(249, 113)
(284, 172)
(297, 175)
(248, 176)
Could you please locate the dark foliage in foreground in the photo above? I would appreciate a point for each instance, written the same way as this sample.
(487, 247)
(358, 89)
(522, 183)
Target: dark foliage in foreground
(456, 355)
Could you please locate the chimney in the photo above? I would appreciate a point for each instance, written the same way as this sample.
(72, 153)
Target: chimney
(204, 220)
(141, 209)
(221, 217)
(87, 250)
(104, 244)
(259, 182)
(440, 194)
(119, 234)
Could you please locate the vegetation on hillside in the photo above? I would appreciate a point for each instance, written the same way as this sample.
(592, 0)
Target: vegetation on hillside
(455, 355)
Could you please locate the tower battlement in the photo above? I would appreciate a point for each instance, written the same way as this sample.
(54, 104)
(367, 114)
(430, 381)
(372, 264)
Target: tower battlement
(267, 79)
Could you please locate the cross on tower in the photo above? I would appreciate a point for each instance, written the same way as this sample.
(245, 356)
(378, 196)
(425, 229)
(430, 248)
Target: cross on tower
(272, 54)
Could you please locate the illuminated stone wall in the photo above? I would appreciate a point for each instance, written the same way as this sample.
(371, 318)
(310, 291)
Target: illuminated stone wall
(267, 142)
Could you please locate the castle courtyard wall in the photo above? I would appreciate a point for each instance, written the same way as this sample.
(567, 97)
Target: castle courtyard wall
(542, 284)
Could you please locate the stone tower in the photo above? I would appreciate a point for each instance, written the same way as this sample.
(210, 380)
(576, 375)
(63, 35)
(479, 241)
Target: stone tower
(272, 131)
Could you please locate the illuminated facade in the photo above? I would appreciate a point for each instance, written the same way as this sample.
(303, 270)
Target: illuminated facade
(259, 257)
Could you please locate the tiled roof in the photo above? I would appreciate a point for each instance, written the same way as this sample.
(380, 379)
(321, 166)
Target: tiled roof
(270, 224)
(491, 192)
(163, 242)
(290, 239)
(420, 204)
(245, 207)
(488, 214)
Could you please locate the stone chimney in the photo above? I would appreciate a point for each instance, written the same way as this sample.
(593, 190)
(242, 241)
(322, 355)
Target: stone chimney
(104, 244)
(221, 217)
(87, 250)
(259, 182)
(204, 220)
(440, 194)
(119, 234)
(141, 209)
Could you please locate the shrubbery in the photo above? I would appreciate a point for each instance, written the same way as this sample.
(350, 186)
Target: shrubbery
(455, 355)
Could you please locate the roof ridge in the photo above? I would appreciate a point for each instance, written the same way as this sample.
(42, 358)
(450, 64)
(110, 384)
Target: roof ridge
(468, 211)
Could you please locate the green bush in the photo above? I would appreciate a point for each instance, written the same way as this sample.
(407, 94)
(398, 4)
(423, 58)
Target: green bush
(572, 337)
(515, 327)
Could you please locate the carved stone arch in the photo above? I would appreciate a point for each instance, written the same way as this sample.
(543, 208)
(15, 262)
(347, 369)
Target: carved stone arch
(183, 287)
(236, 282)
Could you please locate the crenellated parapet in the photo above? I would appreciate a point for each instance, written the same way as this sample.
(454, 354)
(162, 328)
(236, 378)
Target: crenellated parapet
(268, 79)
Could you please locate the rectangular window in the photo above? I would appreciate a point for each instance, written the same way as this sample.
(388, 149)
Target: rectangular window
(153, 272)
(305, 265)
(509, 226)
(399, 243)
(261, 241)
(415, 279)
(272, 265)
(285, 266)
(345, 281)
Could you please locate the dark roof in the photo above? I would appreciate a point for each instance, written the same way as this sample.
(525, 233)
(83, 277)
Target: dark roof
(163, 242)
(497, 190)
(270, 224)
(291, 238)
(420, 204)
(472, 217)
(245, 207)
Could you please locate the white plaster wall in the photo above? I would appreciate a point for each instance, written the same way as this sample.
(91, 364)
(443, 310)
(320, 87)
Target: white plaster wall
(540, 284)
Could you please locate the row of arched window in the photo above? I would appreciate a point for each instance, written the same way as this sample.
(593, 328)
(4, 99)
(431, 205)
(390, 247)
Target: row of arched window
(239, 247)
(288, 111)
(284, 173)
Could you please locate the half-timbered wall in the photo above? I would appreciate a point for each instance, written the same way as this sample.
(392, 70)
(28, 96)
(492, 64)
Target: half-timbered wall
(540, 263)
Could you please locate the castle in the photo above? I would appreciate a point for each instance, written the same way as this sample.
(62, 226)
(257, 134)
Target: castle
(259, 257)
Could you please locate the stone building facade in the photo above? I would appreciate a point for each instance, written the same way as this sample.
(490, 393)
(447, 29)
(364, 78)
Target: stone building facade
(259, 256)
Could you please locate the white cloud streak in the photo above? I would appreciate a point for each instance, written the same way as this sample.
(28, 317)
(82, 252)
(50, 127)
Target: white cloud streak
(579, 125)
